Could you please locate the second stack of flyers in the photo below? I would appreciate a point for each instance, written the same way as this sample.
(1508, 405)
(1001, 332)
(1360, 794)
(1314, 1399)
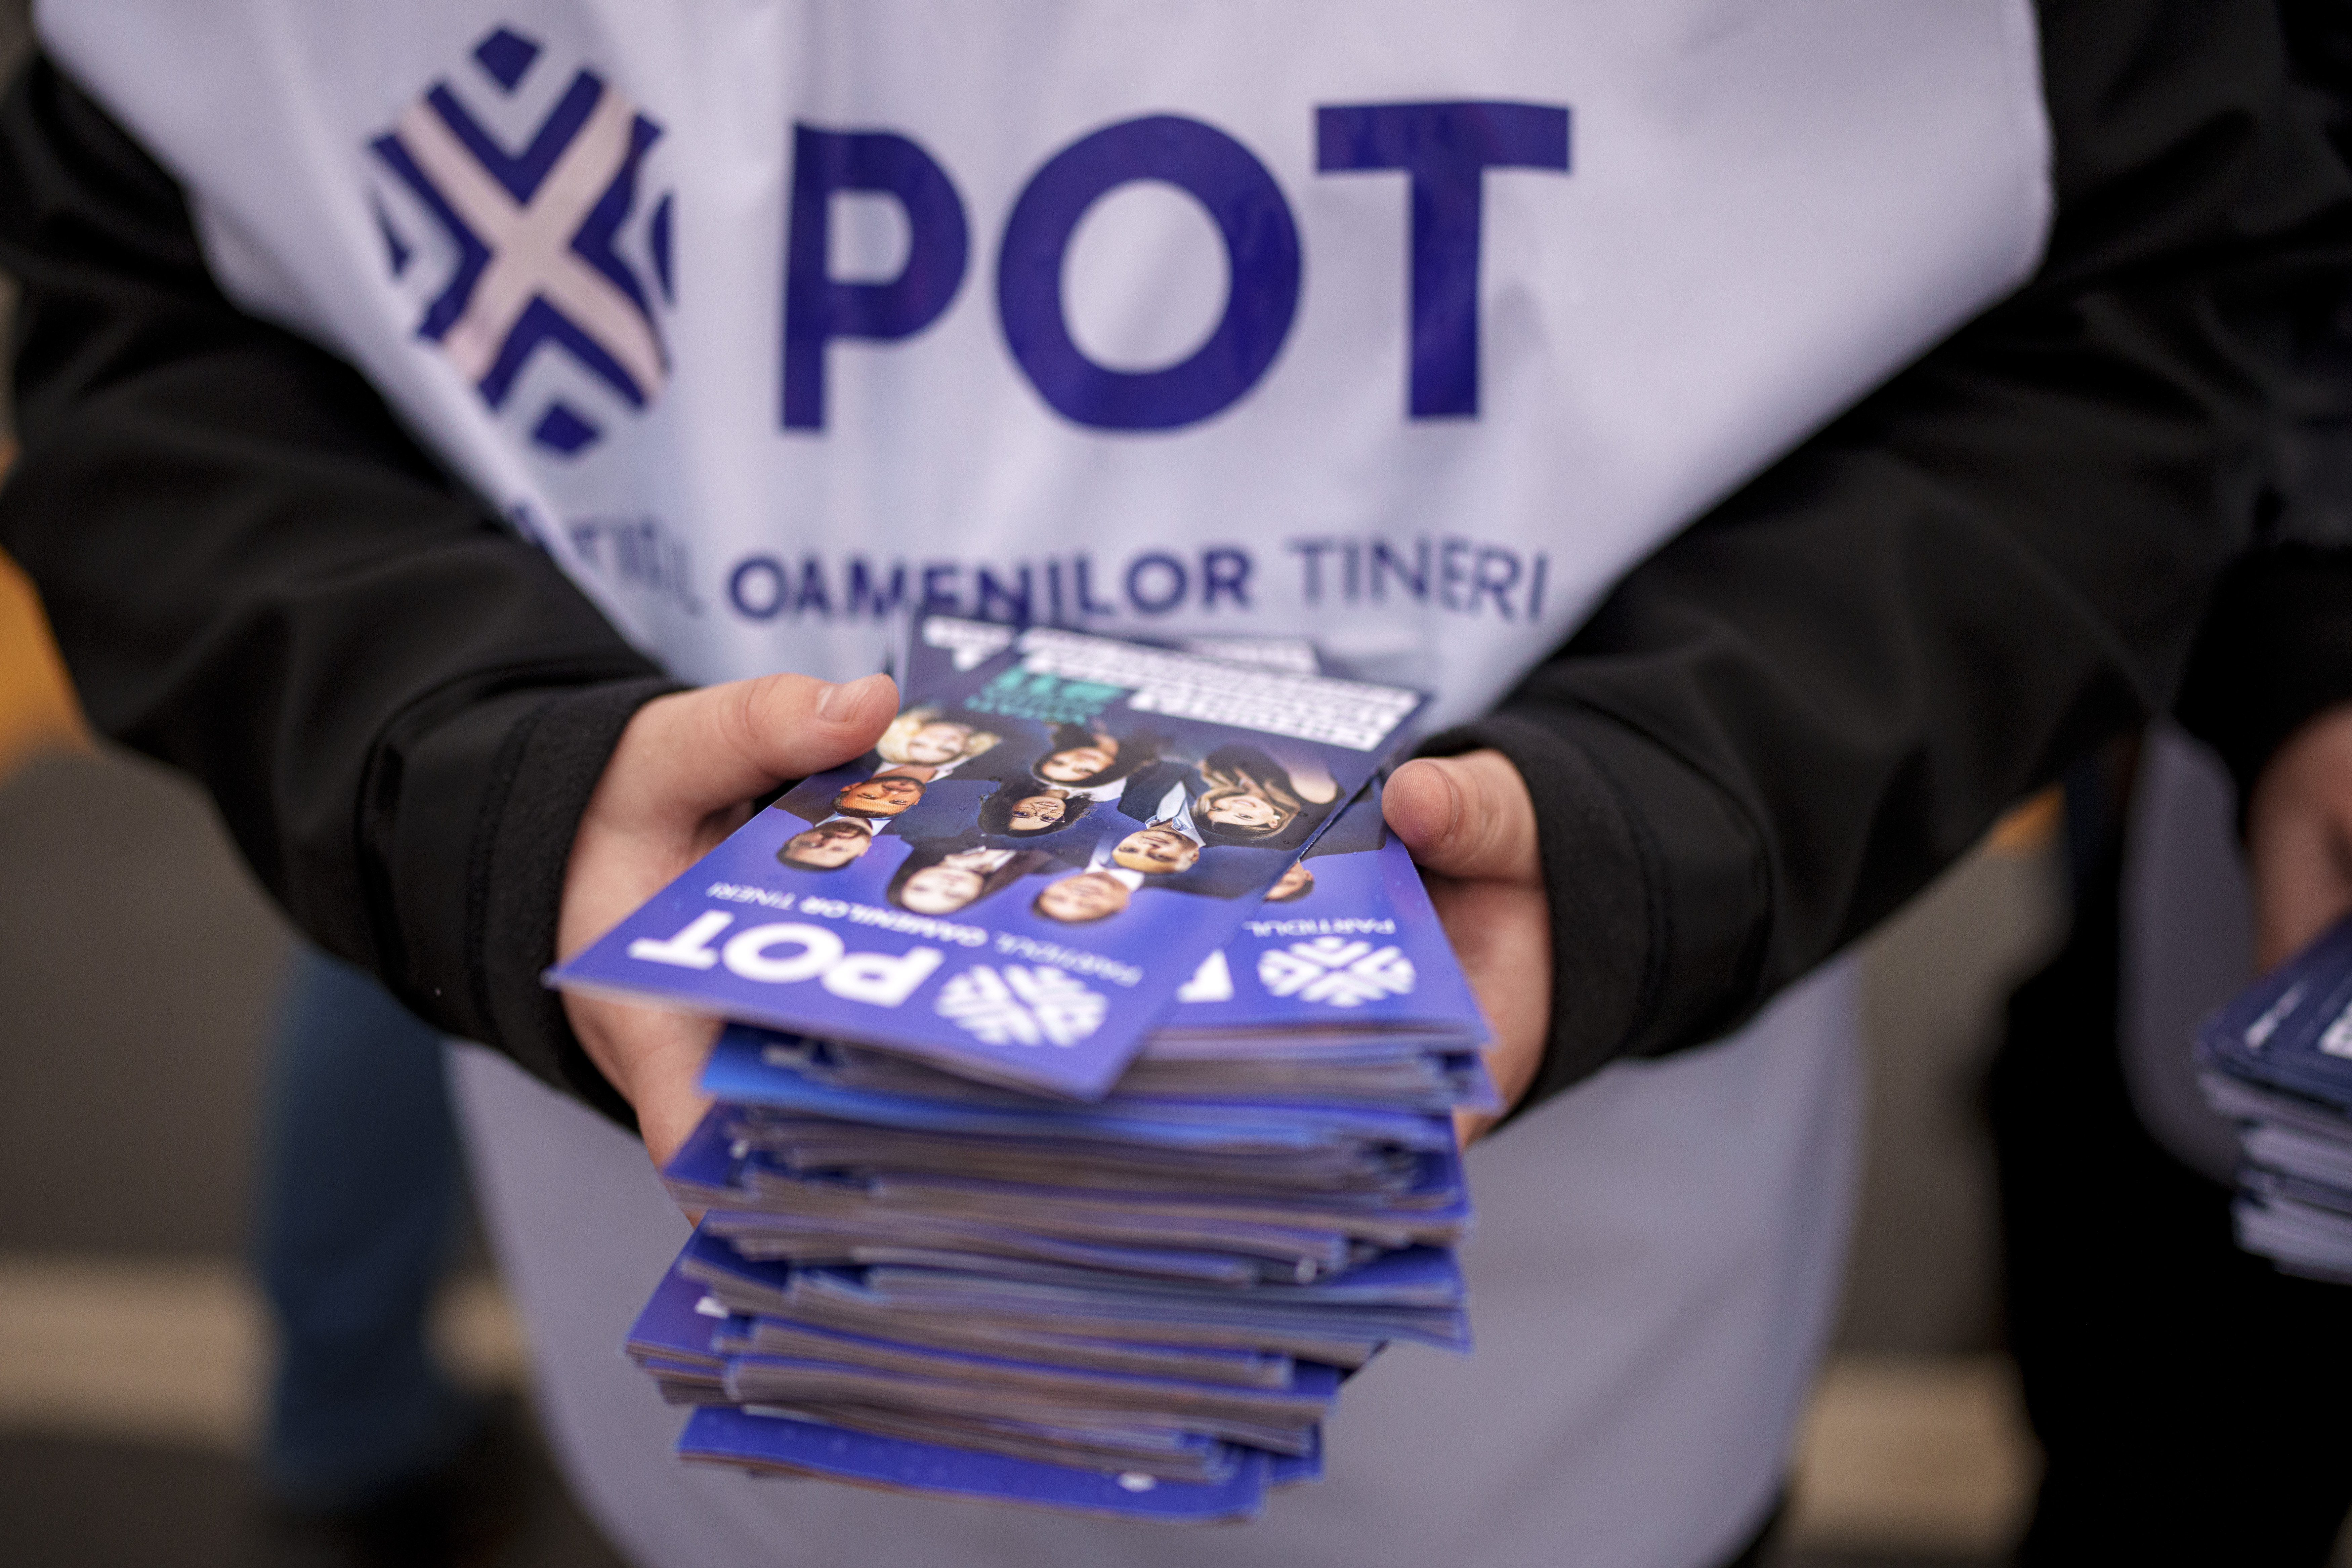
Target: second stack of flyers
(917, 1271)
(2277, 1059)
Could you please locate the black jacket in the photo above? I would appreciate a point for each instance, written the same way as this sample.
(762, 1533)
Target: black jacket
(2275, 649)
(1769, 735)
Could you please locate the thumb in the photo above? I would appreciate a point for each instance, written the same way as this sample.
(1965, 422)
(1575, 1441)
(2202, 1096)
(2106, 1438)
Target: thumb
(722, 744)
(1468, 817)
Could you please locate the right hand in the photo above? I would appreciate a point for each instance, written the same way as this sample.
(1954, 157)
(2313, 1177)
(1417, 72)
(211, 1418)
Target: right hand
(682, 778)
(2299, 837)
(1471, 826)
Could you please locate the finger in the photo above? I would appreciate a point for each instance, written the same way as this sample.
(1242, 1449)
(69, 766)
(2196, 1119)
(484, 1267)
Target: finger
(653, 1057)
(1469, 1126)
(721, 744)
(1502, 931)
(1468, 817)
(670, 1103)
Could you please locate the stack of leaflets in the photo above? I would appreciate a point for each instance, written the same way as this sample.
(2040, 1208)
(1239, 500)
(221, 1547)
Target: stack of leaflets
(1087, 1110)
(2277, 1059)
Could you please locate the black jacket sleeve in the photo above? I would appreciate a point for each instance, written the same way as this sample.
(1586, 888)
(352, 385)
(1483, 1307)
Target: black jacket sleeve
(255, 575)
(2275, 649)
(1780, 726)
(1770, 734)
(2274, 652)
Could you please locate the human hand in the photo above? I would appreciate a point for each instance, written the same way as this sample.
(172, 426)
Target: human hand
(1471, 826)
(2299, 837)
(683, 777)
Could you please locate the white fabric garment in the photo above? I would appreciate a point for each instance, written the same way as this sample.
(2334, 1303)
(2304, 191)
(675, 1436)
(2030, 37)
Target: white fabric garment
(1766, 209)
(1645, 1330)
(1289, 406)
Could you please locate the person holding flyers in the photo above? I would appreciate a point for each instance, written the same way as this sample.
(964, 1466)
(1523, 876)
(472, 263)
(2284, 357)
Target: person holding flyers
(2185, 882)
(1769, 495)
(2197, 860)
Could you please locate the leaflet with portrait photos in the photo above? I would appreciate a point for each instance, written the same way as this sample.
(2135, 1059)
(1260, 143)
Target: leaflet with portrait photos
(1042, 849)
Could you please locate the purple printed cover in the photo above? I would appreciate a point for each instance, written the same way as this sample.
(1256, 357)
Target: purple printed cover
(744, 1070)
(678, 1323)
(1076, 824)
(743, 1438)
(1297, 1469)
(2290, 1032)
(1349, 941)
(1346, 938)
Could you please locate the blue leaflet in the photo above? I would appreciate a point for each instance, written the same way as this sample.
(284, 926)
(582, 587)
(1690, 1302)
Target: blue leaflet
(1349, 944)
(1418, 1285)
(786, 1446)
(1296, 1469)
(1138, 1307)
(904, 904)
(1355, 950)
(884, 1364)
(754, 1186)
(678, 1323)
(764, 1287)
(2291, 1031)
(753, 1066)
(2277, 1058)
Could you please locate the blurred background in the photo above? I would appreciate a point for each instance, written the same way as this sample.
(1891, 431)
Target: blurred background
(139, 966)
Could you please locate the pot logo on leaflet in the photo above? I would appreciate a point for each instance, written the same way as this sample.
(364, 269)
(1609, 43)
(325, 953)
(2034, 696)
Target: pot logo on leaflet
(788, 952)
(510, 211)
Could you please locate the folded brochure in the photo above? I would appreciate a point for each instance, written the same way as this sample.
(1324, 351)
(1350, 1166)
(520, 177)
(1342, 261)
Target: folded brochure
(1042, 849)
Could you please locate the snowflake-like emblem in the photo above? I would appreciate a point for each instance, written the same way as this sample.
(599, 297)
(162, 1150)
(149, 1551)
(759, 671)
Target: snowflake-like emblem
(1333, 970)
(1022, 1006)
(1212, 982)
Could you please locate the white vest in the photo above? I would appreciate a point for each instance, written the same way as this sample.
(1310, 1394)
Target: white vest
(1407, 327)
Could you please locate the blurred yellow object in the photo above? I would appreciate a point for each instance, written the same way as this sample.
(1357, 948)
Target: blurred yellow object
(37, 711)
(2031, 824)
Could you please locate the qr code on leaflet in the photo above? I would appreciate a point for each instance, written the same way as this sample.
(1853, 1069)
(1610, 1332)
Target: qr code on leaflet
(971, 642)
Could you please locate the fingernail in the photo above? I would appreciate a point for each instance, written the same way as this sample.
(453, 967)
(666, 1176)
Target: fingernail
(840, 701)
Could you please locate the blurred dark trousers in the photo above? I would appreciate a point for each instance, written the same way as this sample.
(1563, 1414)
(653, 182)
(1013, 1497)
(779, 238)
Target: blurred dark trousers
(2188, 1395)
(359, 1191)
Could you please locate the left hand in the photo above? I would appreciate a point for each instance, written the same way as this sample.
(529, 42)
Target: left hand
(1471, 826)
(681, 779)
